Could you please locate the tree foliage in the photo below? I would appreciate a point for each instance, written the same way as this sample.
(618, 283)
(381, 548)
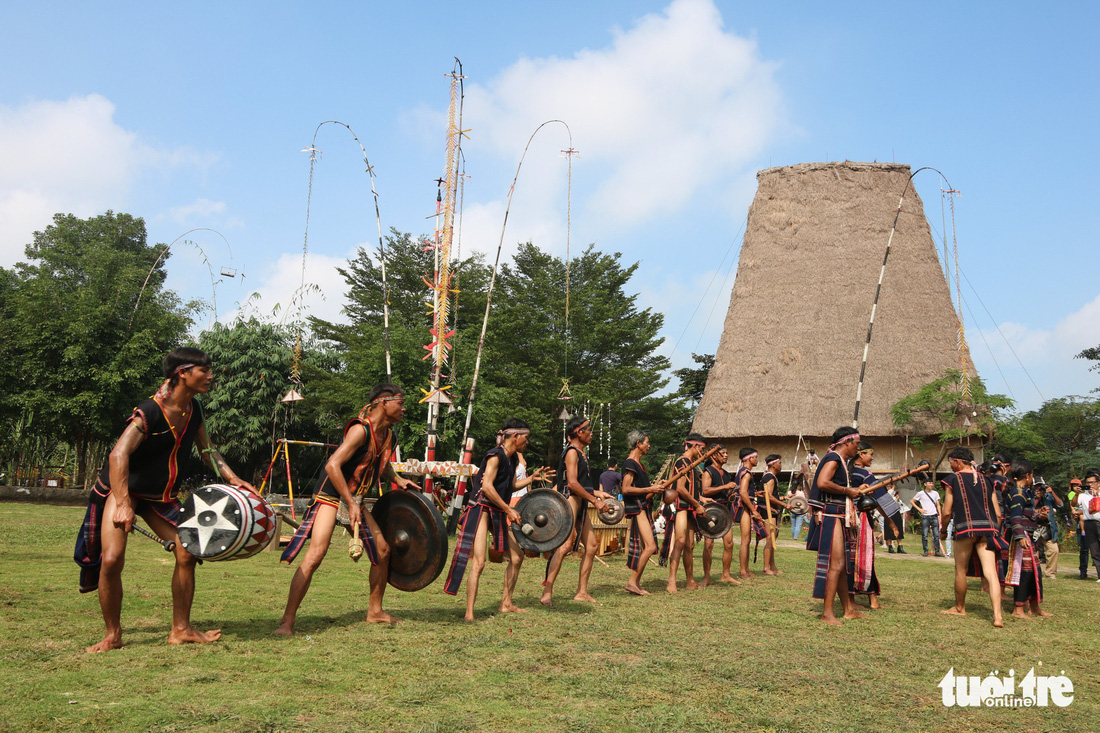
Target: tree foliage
(1061, 438)
(1093, 355)
(694, 381)
(86, 356)
(954, 416)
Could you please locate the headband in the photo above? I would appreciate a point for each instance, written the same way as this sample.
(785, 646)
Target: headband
(774, 460)
(695, 442)
(845, 439)
(180, 368)
(580, 427)
(377, 401)
(164, 389)
(750, 455)
(509, 432)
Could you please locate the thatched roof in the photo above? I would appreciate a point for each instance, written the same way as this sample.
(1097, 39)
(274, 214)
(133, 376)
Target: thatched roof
(789, 358)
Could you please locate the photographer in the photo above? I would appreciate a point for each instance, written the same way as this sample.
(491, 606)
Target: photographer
(1046, 537)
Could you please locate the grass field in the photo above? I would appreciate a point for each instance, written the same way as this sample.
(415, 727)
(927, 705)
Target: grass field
(747, 658)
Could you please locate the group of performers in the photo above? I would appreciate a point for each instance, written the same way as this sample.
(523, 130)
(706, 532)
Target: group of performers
(993, 516)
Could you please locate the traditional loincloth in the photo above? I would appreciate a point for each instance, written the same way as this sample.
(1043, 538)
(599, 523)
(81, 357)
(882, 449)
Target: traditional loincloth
(467, 533)
(305, 530)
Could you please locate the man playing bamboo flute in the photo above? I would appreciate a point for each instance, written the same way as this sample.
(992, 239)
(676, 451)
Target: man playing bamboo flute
(748, 515)
(575, 481)
(770, 507)
(142, 477)
(636, 496)
(362, 462)
(831, 492)
(971, 501)
(489, 511)
(687, 506)
(717, 485)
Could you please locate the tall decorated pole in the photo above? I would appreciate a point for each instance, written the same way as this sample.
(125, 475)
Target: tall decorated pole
(439, 349)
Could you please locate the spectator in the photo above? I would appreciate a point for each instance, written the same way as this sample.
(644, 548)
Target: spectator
(927, 502)
(1048, 531)
(611, 480)
(1090, 520)
(797, 520)
(893, 539)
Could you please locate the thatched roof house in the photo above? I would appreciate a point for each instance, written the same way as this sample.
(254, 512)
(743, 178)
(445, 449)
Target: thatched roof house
(788, 362)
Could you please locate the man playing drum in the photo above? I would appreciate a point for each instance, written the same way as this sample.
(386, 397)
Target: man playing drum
(361, 462)
(490, 510)
(143, 477)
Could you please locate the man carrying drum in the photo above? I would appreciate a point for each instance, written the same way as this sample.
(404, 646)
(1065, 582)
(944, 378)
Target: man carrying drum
(361, 462)
(142, 477)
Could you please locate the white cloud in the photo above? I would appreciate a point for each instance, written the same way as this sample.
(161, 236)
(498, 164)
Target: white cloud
(72, 157)
(673, 105)
(282, 298)
(1047, 356)
(198, 209)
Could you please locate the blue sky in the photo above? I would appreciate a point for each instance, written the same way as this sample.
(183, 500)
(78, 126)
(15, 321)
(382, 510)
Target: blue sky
(195, 115)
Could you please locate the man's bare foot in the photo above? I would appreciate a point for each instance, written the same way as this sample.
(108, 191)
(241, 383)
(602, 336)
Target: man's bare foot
(954, 611)
(468, 618)
(730, 579)
(998, 623)
(853, 614)
(1043, 613)
(584, 597)
(107, 644)
(832, 620)
(748, 574)
(191, 636)
(511, 608)
(875, 605)
(285, 629)
(705, 583)
(691, 585)
(546, 600)
(636, 590)
(672, 587)
(1019, 613)
(770, 572)
(381, 617)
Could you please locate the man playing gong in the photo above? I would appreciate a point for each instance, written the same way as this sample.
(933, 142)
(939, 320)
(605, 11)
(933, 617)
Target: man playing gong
(717, 485)
(490, 510)
(748, 514)
(636, 495)
(575, 482)
(143, 477)
(360, 463)
(770, 507)
(688, 506)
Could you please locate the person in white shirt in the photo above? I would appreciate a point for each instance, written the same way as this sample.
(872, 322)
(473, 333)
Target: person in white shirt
(1090, 521)
(927, 502)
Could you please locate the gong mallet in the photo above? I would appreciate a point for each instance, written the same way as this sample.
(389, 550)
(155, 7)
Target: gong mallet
(921, 468)
(168, 545)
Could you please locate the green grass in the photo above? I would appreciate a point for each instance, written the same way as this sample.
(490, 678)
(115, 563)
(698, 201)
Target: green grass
(748, 658)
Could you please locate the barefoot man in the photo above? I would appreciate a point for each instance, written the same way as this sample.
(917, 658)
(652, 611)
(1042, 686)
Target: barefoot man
(360, 463)
(575, 482)
(143, 477)
(688, 494)
(770, 507)
(490, 510)
(717, 485)
(830, 491)
(748, 513)
(636, 496)
(972, 502)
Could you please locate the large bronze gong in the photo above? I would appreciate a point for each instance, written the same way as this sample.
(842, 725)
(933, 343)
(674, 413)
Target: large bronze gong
(614, 512)
(546, 520)
(715, 522)
(417, 537)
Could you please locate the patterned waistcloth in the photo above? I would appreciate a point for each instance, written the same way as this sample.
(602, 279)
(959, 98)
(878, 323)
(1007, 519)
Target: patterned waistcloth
(635, 543)
(305, 531)
(89, 540)
(831, 521)
(467, 532)
(1025, 575)
(861, 558)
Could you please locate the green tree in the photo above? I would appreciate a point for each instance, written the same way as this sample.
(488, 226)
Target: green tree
(1061, 438)
(1093, 355)
(252, 365)
(85, 356)
(943, 409)
(694, 381)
